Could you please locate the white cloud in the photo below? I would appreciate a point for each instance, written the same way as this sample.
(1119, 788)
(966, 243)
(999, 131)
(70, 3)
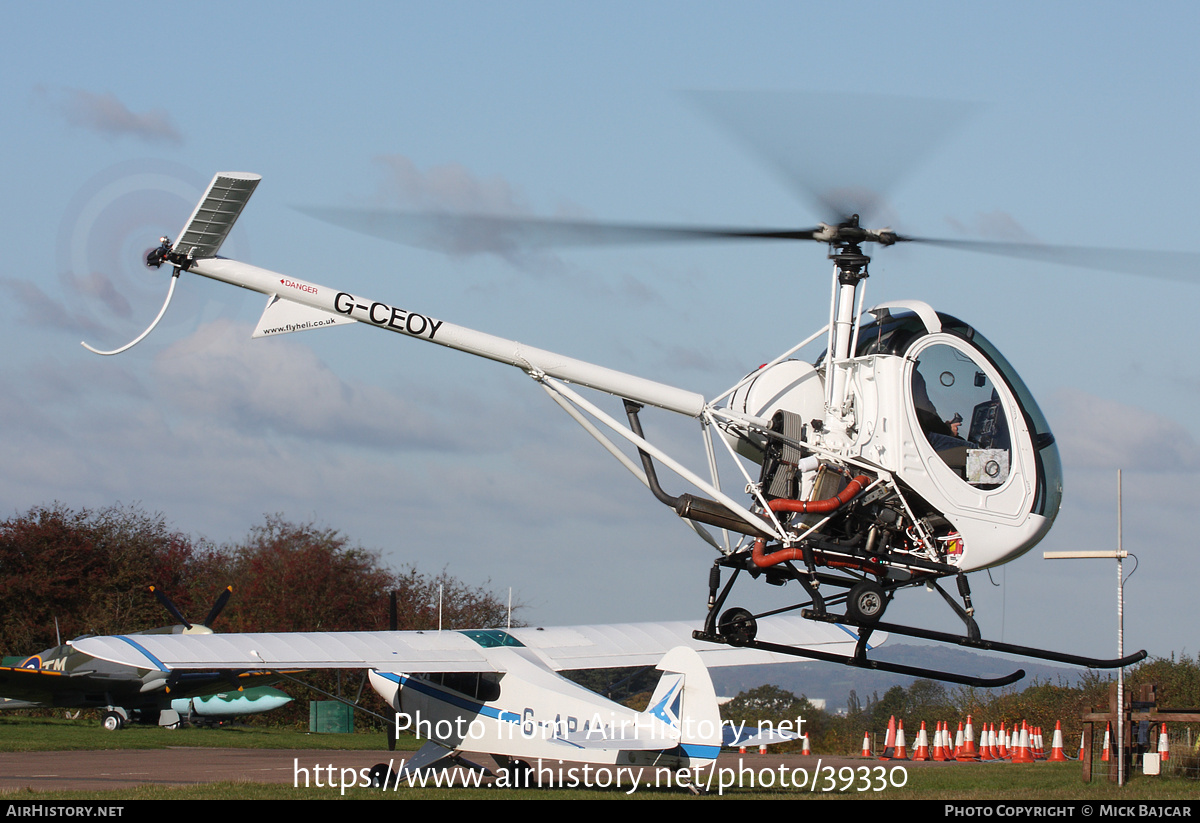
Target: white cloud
(106, 115)
(451, 188)
(280, 386)
(1101, 434)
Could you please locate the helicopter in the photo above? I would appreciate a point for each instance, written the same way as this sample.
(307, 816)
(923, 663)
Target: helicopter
(863, 475)
(905, 453)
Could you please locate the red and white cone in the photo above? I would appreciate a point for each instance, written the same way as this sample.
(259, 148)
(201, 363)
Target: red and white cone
(805, 750)
(866, 751)
(987, 749)
(939, 742)
(958, 742)
(968, 752)
(901, 743)
(889, 742)
(1107, 743)
(1022, 754)
(1057, 755)
(922, 752)
(1164, 748)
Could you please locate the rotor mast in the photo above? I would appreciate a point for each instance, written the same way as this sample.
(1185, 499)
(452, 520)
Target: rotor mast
(850, 269)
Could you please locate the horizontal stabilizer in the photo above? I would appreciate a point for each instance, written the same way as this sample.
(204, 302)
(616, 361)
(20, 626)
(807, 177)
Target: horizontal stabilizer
(624, 739)
(283, 316)
(748, 736)
(218, 210)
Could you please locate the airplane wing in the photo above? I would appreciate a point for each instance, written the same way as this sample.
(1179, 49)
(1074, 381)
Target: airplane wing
(571, 647)
(35, 688)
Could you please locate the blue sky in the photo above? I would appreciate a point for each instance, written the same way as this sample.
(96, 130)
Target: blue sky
(118, 115)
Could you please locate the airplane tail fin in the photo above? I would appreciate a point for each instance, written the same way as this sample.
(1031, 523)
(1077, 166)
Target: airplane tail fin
(686, 702)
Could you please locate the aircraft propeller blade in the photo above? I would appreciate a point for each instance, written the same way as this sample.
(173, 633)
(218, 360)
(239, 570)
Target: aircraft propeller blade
(215, 611)
(170, 607)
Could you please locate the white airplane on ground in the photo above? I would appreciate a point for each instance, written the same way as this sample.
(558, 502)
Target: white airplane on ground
(498, 691)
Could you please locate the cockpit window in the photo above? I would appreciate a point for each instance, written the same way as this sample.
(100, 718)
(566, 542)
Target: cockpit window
(897, 333)
(960, 413)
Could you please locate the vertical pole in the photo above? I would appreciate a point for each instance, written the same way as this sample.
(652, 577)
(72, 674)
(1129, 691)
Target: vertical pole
(1120, 645)
(1085, 752)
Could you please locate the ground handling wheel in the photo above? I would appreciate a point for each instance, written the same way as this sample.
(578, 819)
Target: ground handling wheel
(738, 626)
(865, 602)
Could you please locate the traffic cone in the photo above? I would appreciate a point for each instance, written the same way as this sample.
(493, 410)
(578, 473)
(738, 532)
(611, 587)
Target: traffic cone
(889, 742)
(1022, 754)
(1056, 745)
(968, 752)
(939, 742)
(1164, 748)
(901, 744)
(922, 752)
(866, 752)
(1107, 743)
(805, 750)
(958, 742)
(1002, 752)
(762, 748)
(987, 749)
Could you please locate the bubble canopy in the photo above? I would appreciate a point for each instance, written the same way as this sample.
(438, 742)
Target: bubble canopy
(959, 373)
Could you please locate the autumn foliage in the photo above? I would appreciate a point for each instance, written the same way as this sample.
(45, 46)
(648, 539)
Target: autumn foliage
(91, 570)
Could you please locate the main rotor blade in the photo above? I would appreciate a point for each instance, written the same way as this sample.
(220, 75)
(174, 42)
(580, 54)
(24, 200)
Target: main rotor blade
(842, 153)
(466, 234)
(1179, 266)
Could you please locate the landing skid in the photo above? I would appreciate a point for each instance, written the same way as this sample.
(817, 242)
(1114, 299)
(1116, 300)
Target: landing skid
(859, 660)
(865, 602)
(737, 628)
(989, 645)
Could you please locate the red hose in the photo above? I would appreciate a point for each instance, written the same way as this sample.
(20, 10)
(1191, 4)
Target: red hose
(822, 506)
(763, 560)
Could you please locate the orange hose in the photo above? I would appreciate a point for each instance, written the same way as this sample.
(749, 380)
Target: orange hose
(763, 560)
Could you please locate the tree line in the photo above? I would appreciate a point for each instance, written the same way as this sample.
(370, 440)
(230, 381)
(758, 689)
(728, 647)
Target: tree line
(89, 571)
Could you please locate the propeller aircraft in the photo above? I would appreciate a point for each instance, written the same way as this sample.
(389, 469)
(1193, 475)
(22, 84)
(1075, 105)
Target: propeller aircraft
(498, 691)
(63, 676)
